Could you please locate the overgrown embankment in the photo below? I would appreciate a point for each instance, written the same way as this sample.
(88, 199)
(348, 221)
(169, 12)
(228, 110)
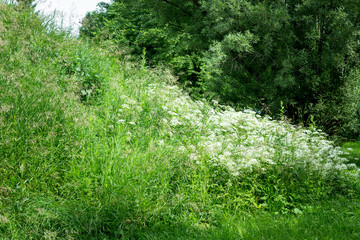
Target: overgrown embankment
(96, 148)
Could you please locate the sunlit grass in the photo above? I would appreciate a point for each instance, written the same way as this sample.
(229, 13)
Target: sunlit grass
(93, 147)
(353, 148)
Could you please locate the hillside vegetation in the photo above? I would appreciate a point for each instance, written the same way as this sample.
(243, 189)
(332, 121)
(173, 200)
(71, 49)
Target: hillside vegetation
(298, 58)
(95, 147)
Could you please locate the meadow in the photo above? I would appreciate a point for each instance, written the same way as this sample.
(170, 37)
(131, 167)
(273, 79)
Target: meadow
(93, 146)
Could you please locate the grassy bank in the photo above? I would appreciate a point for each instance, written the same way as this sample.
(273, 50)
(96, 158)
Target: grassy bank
(94, 147)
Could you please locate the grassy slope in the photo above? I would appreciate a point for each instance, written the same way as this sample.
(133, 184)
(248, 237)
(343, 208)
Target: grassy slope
(94, 148)
(353, 148)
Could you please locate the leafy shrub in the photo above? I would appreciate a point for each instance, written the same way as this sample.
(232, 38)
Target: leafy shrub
(87, 67)
(241, 148)
(296, 56)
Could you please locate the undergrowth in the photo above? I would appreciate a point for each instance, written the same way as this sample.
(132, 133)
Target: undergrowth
(94, 147)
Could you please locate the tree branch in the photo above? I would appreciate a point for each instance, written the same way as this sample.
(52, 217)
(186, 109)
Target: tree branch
(196, 3)
(177, 6)
(357, 20)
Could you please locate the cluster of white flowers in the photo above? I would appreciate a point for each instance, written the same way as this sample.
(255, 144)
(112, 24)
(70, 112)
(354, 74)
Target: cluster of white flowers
(242, 142)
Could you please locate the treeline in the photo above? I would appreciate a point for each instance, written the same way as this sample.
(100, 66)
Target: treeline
(294, 58)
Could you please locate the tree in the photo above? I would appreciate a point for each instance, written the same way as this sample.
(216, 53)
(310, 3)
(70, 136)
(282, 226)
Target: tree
(295, 52)
(251, 53)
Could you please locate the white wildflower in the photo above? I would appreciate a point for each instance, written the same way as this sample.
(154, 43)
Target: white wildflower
(352, 166)
(193, 157)
(269, 161)
(172, 113)
(182, 149)
(192, 147)
(253, 162)
(125, 106)
(341, 167)
(241, 141)
(216, 103)
(175, 122)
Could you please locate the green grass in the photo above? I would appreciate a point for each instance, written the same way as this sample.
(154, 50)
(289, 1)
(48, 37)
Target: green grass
(338, 219)
(353, 148)
(94, 147)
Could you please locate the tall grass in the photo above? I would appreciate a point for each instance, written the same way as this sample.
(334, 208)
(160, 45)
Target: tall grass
(94, 147)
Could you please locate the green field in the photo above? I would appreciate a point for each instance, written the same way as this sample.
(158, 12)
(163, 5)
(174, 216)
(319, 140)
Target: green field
(93, 146)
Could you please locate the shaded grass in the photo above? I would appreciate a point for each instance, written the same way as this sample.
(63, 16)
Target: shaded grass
(336, 219)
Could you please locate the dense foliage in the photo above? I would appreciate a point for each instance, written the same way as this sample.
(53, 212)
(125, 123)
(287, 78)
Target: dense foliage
(95, 147)
(298, 57)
